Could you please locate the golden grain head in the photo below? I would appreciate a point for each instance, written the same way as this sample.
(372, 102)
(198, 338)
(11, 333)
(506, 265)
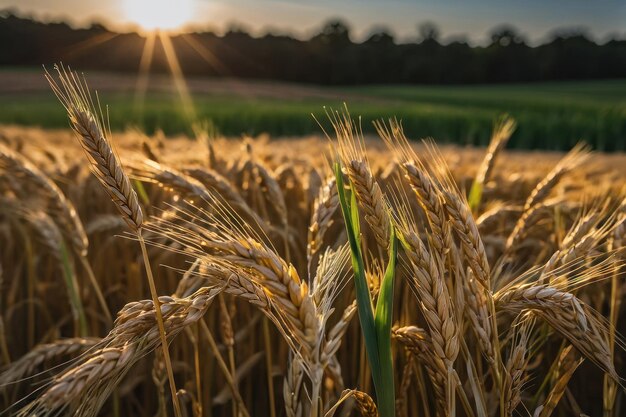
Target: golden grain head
(496, 304)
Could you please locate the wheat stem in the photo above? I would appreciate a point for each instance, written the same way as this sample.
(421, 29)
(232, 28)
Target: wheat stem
(94, 283)
(268, 363)
(224, 367)
(159, 317)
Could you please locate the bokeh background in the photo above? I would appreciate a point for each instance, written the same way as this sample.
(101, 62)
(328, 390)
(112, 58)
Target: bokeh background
(447, 69)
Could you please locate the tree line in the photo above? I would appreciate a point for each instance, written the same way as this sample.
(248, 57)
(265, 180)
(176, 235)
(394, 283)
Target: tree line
(329, 57)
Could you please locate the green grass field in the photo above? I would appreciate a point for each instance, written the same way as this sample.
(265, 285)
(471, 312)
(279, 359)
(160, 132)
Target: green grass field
(549, 115)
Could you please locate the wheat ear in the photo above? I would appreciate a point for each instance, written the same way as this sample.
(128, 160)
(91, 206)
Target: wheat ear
(436, 305)
(368, 192)
(134, 335)
(292, 387)
(574, 158)
(515, 374)
(502, 131)
(325, 206)
(364, 403)
(217, 184)
(58, 207)
(564, 312)
(471, 243)
(417, 341)
(74, 95)
(40, 354)
(430, 201)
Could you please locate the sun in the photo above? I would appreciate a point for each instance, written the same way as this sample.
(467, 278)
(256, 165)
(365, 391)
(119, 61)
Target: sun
(159, 14)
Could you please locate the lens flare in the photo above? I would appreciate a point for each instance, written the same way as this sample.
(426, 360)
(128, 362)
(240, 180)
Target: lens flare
(159, 14)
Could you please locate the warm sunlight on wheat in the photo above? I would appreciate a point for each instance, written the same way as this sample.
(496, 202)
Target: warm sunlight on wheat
(295, 290)
(288, 208)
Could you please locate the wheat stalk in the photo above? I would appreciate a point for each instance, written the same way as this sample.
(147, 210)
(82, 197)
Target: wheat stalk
(75, 97)
(56, 205)
(135, 333)
(567, 364)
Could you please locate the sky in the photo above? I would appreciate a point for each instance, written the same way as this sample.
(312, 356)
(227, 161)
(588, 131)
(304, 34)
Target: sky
(471, 19)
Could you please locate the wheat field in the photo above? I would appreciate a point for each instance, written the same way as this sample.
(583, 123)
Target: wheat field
(333, 275)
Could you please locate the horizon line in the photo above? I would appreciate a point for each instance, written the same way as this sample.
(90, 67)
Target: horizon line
(199, 28)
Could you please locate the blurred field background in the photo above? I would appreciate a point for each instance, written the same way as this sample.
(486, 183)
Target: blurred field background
(563, 87)
(551, 115)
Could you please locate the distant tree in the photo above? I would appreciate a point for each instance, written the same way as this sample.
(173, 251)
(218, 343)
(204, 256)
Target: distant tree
(428, 31)
(380, 36)
(9, 11)
(97, 27)
(506, 35)
(237, 29)
(508, 58)
(335, 32)
(570, 32)
(329, 57)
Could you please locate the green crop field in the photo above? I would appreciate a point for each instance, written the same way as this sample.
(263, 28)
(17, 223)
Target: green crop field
(549, 115)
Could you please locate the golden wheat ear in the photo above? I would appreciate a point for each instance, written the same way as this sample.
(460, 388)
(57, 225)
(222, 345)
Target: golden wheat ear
(106, 167)
(372, 200)
(58, 205)
(74, 94)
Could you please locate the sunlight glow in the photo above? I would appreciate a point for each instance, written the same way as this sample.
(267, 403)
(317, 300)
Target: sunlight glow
(159, 14)
(144, 72)
(178, 76)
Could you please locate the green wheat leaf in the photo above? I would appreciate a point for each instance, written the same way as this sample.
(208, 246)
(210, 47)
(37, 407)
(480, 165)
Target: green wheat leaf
(475, 196)
(383, 320)
(363, 296)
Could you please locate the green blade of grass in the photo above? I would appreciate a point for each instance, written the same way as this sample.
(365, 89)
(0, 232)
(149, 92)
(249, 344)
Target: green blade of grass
(475, 196)
(363, 297)
(383, 319)
(73, 291)
(142, 192)
(354, 212)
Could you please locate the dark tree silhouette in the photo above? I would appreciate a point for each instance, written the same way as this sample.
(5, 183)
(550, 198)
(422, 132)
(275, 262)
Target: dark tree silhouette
(329, 57)
(506, 35)
(428, 31)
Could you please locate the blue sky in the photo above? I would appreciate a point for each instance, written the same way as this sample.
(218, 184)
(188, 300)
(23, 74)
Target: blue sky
(472, 18)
